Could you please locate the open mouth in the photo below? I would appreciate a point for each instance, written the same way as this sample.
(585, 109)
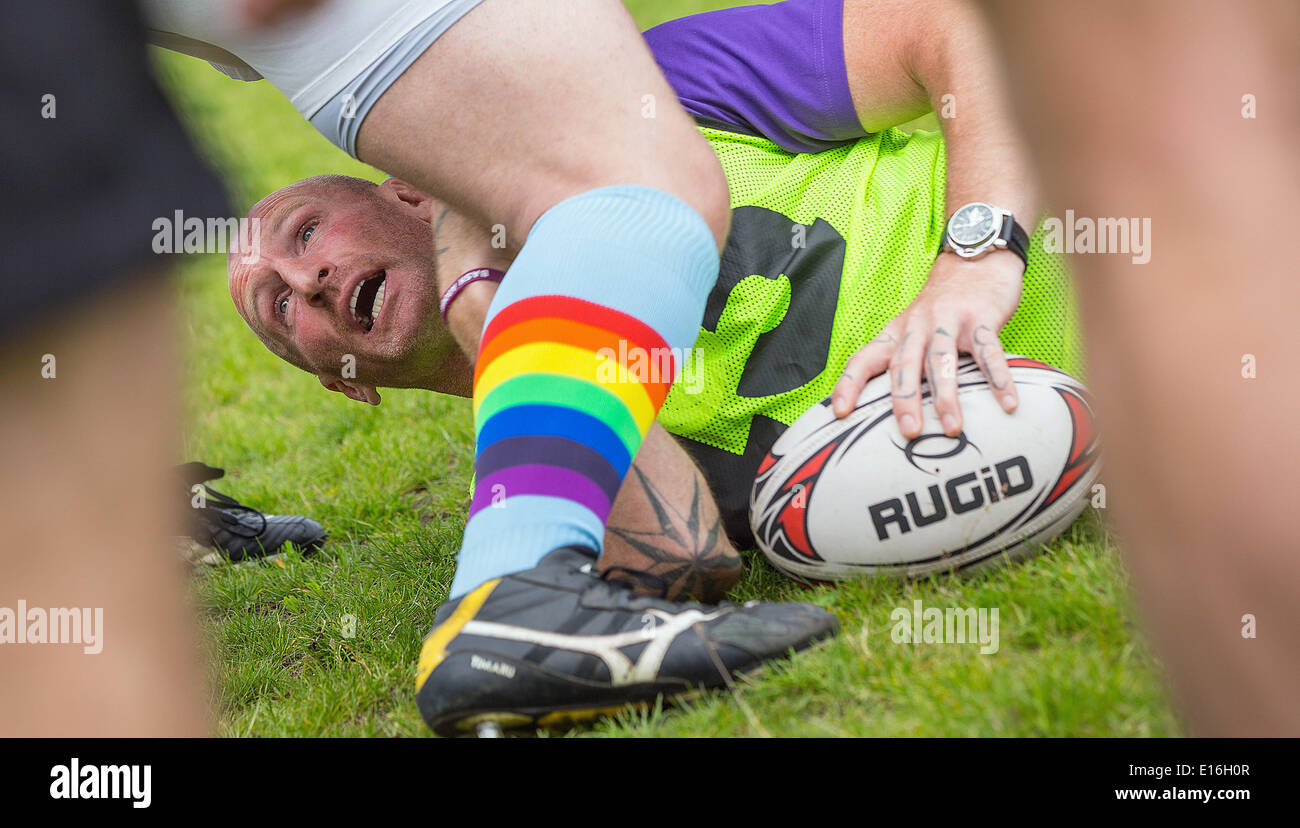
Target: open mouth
(368, 300)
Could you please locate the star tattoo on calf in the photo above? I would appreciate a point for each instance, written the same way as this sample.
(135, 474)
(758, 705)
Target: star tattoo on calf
(686, 554)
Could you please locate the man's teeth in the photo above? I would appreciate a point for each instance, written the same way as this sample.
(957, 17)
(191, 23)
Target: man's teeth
(376, 304)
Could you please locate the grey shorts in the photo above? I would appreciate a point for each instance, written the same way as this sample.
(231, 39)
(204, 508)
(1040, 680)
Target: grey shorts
(332, 62)
(340, 118)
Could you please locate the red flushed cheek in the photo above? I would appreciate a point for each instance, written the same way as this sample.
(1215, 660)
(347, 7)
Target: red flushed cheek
(318, 339)
(346, 233)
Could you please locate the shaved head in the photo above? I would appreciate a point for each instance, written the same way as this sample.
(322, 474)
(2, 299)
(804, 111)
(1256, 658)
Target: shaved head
(341, 272)
(329, 186)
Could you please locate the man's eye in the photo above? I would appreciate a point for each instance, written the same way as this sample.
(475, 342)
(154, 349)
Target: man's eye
(307, 231)
(283, 306)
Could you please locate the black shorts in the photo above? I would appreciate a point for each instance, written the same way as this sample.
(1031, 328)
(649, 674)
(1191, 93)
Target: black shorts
(82, 189)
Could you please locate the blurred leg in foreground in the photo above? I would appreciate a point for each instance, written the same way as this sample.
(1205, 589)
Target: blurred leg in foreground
(88, 497)
(1185, 114)
(95, 638)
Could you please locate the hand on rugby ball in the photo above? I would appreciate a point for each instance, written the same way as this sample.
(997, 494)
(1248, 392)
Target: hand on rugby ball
(961, 309)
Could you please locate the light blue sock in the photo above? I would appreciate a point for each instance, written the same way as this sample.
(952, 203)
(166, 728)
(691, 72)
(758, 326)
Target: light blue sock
(560, 404)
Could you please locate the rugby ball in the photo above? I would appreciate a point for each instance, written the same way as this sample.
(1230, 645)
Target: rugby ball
(843, 498)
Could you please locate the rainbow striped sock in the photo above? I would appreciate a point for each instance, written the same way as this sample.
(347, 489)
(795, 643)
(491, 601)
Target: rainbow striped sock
(581, 346)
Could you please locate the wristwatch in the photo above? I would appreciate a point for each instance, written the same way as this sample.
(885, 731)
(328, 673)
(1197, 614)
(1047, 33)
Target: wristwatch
(977, 228)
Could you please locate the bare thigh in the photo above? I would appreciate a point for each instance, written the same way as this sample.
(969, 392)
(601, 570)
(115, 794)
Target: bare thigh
(89, 509)
(1140, 109)
(523, 103)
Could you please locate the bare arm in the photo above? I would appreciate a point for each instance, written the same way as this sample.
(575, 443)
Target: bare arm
(908, 57)
(904, 57)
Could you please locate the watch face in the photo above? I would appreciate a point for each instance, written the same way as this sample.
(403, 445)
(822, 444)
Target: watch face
(971, 225)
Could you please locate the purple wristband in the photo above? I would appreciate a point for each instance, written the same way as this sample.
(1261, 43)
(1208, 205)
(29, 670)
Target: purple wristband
(464, 280)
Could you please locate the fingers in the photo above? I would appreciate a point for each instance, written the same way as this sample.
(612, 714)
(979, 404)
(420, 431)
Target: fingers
(926, 350)
(871, 360)
(986, 348)
(905, 371)
(941, 368)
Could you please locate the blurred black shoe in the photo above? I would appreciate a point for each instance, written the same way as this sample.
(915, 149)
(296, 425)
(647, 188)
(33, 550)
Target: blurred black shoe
(223, 529)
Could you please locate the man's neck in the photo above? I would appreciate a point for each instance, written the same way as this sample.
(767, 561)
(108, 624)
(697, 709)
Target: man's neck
(453, 369)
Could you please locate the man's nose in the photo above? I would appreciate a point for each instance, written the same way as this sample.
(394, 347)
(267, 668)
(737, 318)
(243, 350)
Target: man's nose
(310, 280)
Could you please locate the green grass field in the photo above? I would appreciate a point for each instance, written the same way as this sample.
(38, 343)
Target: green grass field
(327, 645)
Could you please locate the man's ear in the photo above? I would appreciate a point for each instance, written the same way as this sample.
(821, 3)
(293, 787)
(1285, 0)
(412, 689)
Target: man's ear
(413, 198)
(351, 390)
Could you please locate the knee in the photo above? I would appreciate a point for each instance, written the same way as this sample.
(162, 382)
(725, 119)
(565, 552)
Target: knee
(697, 179)
(712, 200)
(691, 173)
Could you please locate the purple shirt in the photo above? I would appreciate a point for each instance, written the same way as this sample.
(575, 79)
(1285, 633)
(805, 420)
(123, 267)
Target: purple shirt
(776, 71)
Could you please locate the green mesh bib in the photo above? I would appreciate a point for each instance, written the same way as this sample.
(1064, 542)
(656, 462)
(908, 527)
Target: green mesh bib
(826, 249)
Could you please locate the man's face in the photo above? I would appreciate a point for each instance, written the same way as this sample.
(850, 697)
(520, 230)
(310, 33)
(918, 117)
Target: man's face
(342, 278)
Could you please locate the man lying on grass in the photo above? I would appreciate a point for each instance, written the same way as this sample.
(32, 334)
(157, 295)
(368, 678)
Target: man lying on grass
(837, 219)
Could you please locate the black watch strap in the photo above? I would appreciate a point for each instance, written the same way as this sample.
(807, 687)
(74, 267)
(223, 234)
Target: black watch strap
(1017, 238)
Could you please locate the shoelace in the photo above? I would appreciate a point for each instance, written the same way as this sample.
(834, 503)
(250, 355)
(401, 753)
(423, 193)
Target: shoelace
(232, 524)
(196, 473)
